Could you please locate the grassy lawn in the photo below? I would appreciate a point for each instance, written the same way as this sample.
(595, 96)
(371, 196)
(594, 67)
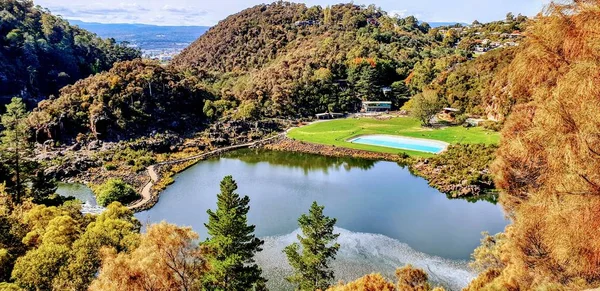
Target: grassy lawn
(336, 133)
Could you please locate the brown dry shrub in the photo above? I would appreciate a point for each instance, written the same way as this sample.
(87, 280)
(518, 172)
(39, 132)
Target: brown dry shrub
(549, 160)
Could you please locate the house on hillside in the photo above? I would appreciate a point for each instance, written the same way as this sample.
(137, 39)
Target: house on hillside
(376, 106)
(450, 110)
(515, 34)
(373, 21)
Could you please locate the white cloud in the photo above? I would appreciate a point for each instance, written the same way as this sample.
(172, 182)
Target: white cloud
(170, 8)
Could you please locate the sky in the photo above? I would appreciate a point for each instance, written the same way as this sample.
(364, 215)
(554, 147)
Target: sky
(209, 12)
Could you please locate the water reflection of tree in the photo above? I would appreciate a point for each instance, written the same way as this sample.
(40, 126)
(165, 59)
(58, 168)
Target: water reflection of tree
(491, 197)
(306, 162)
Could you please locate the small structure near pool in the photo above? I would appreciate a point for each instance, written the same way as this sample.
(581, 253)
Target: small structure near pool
(402, 142)
(376, 106)
(329, 115)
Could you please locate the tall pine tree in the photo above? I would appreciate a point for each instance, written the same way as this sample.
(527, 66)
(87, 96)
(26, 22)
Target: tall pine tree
(311, 269)
(232, 244)
(15, 147)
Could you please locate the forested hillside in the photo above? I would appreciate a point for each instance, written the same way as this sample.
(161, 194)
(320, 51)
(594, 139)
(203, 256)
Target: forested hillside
(478, 86)
(40, 53)
(286, 59)
(131, 99)
(290, 60)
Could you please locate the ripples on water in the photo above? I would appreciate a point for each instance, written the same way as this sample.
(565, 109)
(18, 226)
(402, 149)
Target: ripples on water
(86, 208)
(361, 254)
(82, 193)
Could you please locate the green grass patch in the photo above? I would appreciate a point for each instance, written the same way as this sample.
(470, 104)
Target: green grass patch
(336, 133)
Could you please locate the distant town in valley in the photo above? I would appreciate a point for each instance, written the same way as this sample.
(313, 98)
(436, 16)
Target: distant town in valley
(156, 42)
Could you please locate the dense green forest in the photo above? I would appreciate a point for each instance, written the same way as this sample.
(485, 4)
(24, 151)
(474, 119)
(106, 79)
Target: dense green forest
(41, 53)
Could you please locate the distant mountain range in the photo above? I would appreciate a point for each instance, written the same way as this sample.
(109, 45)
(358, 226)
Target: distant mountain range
(153, 40)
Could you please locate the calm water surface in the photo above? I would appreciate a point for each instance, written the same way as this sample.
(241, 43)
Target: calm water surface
(364, 196)
(386, 216)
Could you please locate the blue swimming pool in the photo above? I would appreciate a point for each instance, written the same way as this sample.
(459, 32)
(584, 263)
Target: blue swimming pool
(400, 142)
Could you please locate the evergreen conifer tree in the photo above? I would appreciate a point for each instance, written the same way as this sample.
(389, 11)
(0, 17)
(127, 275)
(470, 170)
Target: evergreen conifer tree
(311, 269)
(14, 146)
(232, 244)
(43, 189)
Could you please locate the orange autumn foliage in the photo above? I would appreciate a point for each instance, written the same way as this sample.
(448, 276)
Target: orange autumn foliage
(371, 61)
(548, 164)
(409, 279)
(167, 259)
(372, 282)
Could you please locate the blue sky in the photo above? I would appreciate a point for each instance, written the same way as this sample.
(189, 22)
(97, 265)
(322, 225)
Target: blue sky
(207, 13)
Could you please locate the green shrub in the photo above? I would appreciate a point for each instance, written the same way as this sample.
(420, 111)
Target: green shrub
(110, 167)
(461, 164)
(115, 190)
(492, 125)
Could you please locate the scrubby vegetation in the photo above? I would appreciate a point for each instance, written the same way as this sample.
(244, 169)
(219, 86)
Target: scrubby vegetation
(115, 190)
(409, 279)
(40, 53)
(547, 164)
(131, 99)
(58, 248)
(478, 86)
(167, 259)
(127, 159)
(462, 170)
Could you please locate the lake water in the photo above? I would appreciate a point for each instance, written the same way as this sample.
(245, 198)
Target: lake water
(401, 142)
(83, 194)
(386, 216)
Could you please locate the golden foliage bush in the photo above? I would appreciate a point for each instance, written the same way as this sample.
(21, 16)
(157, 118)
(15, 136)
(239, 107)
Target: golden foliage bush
(549, 159)
(167, 259)
(372, 282)
(409, 279)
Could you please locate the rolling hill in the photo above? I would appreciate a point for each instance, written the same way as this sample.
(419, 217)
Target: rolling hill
(41, 53)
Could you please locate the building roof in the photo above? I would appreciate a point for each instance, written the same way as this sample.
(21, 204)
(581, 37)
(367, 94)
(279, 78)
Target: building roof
(377, 102)
(451, 109)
